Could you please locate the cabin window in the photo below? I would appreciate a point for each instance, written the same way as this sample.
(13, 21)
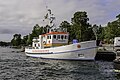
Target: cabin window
(47, 37)
(118, 40)
(35, 45)
(66, 37)
(58, 37)
(51, 29)
(54, 36)
(62, 36)
(50, 36)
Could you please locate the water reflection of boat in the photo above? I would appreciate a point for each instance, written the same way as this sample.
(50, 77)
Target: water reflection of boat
(54, 45)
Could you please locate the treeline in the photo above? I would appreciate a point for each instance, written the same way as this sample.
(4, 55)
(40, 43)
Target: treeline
(110, 31)
(79, 29)
(27, 40)
(4, 43)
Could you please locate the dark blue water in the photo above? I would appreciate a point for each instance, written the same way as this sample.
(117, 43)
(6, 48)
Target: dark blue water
(16, 66)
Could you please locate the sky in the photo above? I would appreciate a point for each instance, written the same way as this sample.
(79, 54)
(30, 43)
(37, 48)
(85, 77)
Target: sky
(19, 16)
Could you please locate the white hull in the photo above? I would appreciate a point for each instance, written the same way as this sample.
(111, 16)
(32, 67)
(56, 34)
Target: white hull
(79, 51)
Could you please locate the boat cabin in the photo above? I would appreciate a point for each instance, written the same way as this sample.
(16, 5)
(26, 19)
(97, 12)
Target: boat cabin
(51, 39)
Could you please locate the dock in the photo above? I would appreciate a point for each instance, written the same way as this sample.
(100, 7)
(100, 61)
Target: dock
(106, 53)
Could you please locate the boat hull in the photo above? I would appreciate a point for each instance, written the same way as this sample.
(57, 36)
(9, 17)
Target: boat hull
(79, 51)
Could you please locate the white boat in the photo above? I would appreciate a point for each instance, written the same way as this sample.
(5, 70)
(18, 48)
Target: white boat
(117, 41)
(54, 45)
(117, 44)
(79, 51)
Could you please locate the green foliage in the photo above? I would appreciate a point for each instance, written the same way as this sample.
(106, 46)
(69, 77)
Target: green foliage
(100, 32)
(80, 18)
(37, 30)
(109, 32)
(112, 30)
(80, 27)
(66, 25)
(24, 40)
(16, 41)
(4, 43)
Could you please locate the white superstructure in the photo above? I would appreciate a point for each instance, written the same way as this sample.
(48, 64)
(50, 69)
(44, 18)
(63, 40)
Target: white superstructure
(117, 41)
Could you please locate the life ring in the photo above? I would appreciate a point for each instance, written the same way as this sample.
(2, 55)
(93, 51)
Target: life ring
(78, 46)
(49, 41)
(44, 42)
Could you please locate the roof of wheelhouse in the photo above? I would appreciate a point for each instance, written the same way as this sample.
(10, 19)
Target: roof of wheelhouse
(51, 33)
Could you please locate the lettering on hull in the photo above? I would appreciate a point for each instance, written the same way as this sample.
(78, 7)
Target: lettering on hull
(41, 51)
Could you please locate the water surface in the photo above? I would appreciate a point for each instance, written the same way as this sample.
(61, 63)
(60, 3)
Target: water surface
(15, 65)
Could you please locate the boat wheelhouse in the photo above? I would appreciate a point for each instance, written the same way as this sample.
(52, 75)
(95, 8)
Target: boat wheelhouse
(51, 39)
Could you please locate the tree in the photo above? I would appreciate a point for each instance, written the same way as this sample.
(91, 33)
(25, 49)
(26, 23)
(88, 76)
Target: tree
(24, 40)
(112, 30)
(4, 43)
(80, 18)
(80, 26)
(99, 31)
(29, 39)
(36, 30)
(16, 41)
(66, 25)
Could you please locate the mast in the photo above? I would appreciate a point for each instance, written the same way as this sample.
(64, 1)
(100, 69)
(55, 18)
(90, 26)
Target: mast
(50, 18)
(51, 27)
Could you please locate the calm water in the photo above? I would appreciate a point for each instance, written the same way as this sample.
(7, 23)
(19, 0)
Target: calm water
(16, 66)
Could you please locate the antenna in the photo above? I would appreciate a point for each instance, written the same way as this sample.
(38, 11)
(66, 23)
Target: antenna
(45, 2)
(50, 18)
